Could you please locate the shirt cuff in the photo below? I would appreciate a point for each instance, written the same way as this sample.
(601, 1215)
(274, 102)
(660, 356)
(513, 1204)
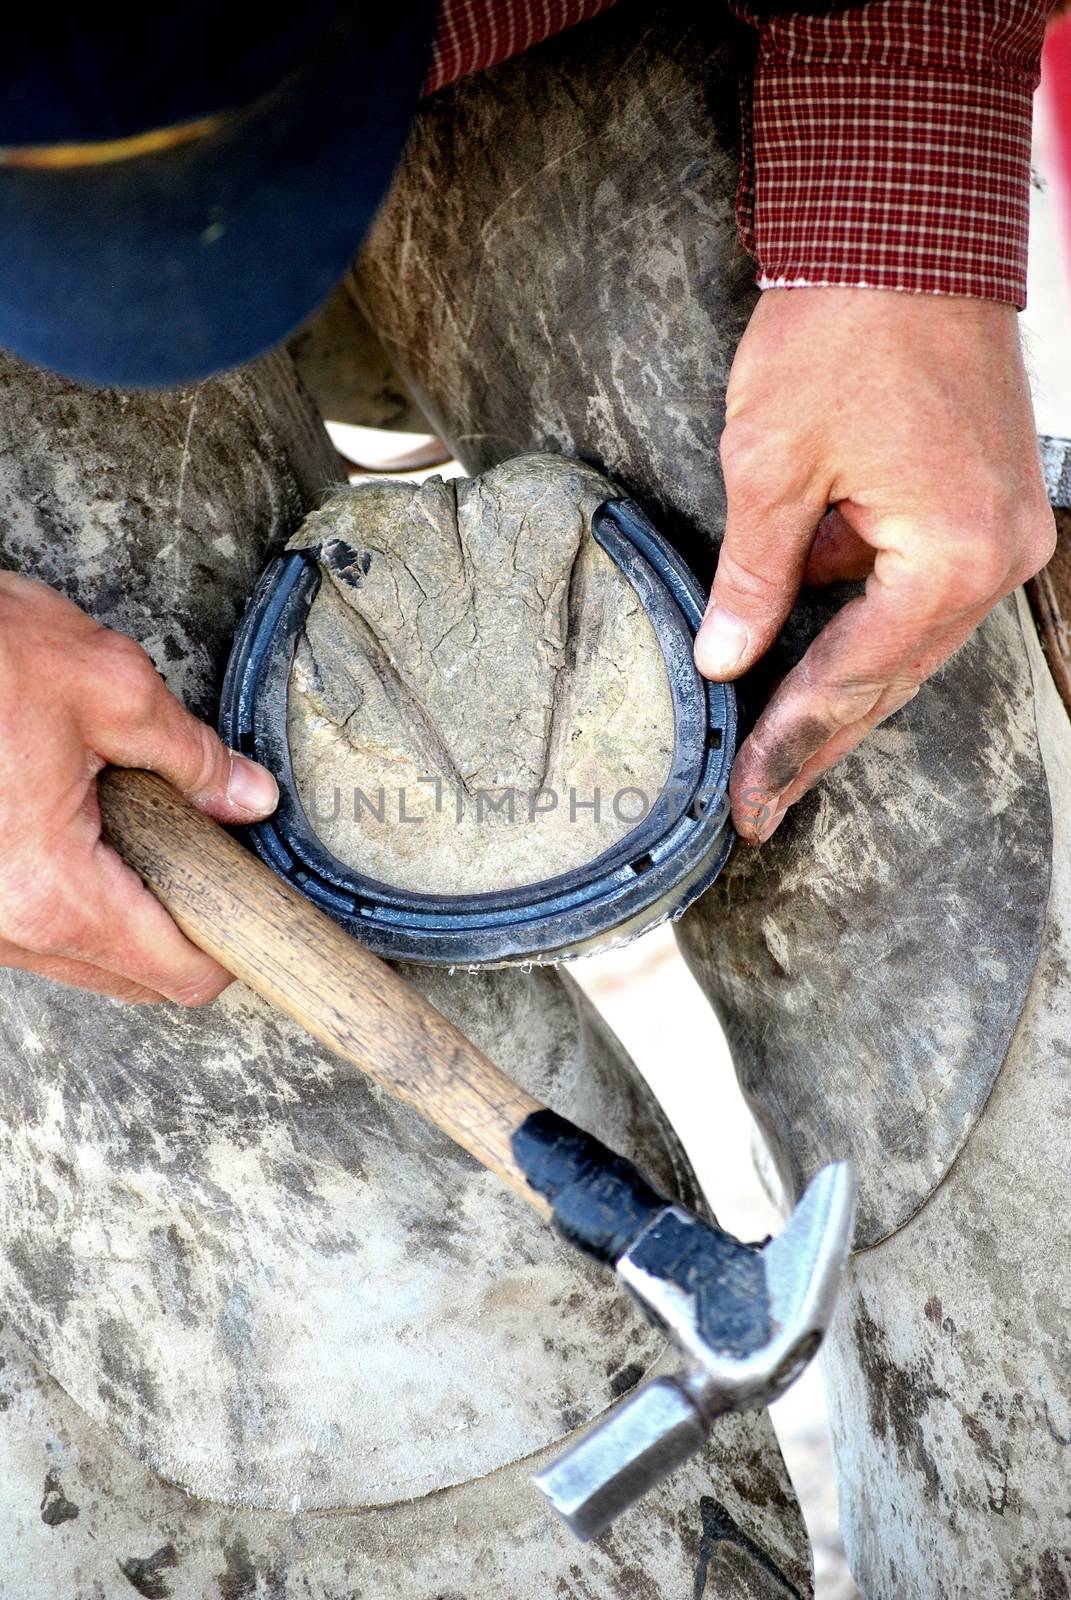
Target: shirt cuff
(907, 180)
(476, 34)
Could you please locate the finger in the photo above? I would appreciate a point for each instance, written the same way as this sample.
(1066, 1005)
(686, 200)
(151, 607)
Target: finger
(864, 664)
(78, 975)
(769, 529)
(946, 643)
(148, 727)
(759, 813)
(100, 912)
(838, 553)
(137, 939)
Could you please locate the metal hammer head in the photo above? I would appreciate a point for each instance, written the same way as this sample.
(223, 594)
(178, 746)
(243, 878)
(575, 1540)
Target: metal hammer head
(747, 1321)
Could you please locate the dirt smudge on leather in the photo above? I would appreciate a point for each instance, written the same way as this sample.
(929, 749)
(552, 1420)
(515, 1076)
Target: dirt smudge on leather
(898, 1398)
(147, 1575)
(55, 1506)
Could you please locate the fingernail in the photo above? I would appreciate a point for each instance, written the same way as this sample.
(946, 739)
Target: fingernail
(767, 829)
(250, 787)
(721, 641)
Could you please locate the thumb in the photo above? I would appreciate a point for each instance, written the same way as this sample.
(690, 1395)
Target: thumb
(219, 781)
(167, 739)
(760, 570)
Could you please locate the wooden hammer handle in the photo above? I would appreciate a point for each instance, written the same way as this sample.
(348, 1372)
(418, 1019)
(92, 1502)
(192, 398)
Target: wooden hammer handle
(262, 930)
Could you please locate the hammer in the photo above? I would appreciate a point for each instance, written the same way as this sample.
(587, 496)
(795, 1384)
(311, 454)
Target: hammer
(746, 1320)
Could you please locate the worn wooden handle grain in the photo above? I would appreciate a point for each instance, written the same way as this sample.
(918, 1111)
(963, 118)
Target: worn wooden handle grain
(263, 931)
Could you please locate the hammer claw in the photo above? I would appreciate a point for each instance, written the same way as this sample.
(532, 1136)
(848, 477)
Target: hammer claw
(747, 1322)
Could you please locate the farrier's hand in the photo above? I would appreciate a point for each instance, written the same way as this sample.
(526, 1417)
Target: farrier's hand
(74, 697)
(911, 415)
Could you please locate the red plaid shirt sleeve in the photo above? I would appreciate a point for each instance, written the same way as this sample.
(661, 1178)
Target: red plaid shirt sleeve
(474, 34)
(886, 143)
(889, 145)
